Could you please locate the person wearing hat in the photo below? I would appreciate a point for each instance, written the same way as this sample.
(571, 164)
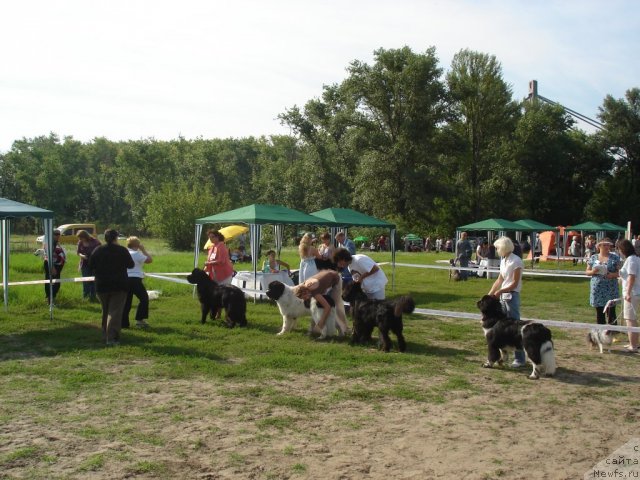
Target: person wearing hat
(53, 266)
(603, 268)
(109, 263)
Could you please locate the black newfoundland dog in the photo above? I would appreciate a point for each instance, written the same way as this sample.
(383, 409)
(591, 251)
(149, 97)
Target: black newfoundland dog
(384, 314)
(503, 334)
(214, 297)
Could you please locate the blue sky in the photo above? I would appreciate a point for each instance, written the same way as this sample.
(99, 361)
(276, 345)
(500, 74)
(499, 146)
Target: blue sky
(195, 68)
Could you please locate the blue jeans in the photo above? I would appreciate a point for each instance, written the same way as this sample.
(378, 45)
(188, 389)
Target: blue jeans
(512, 308)
(464, 263)
(88, 288)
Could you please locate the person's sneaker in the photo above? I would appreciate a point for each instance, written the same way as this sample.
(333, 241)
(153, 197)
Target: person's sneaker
(114, 343)
(142, 324)
(517, 364)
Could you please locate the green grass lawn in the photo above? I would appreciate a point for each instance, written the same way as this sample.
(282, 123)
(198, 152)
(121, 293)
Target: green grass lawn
(179, 345)
(45, 364)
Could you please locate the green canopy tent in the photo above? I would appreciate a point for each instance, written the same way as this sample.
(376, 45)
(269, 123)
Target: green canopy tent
(491, 225)
(345, 217)
(612, 227)
(532, 227)
(412, 237)
(528, 225)
(257, 215)
(588, 226)
(11, 209)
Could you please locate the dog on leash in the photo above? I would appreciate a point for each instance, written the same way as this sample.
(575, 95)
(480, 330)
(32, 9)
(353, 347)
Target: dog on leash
(384, 314)
(215, 297)
(601, 339)
(292, 308)
(503, 334)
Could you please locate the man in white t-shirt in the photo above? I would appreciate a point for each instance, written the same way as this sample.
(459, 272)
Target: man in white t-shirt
(364, 270)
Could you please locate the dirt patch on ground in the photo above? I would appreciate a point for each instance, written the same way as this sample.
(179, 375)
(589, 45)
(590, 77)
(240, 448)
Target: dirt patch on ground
(498, 425)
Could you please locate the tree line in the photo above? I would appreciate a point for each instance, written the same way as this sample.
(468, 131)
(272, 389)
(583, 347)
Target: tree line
(400, 139)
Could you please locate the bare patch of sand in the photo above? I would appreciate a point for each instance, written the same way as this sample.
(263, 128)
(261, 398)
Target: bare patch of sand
(504, 426)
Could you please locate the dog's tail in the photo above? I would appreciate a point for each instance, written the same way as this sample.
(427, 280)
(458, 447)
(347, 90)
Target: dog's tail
(404, 305)
(548, 358)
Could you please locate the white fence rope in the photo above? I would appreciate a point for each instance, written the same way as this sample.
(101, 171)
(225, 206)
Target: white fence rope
(551, 323)
(419, 311)
(545, 273)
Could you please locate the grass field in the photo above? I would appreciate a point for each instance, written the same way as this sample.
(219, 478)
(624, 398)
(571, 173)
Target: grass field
(183, 400)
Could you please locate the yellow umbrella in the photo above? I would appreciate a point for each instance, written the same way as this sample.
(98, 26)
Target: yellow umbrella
(229, 233)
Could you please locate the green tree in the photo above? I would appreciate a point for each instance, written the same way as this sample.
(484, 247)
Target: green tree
(326, 156)
(485, 116)
(401, 102)
(173, 209)
(619, 194)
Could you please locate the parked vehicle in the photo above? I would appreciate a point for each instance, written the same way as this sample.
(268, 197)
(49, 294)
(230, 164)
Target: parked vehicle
(69, 232)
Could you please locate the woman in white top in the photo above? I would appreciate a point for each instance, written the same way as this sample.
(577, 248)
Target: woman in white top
(508, 285)
(630, 275)
(139, 256)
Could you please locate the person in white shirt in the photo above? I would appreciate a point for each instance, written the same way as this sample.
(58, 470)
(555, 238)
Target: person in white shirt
(139, 256)
(630, 275)
(508, 285)
(364, 271)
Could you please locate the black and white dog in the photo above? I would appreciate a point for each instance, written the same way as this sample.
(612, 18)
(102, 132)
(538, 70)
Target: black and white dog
(291, 308)
(601, 339)
(503, 334)
(384, 314)
(214, 297)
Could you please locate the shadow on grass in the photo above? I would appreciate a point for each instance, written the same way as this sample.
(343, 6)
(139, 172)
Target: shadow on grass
(593, 379)
(81, 336)
(433, 298)
(437, 351)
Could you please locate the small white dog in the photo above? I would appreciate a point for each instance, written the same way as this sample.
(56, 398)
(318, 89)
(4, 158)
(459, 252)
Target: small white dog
(601, 339)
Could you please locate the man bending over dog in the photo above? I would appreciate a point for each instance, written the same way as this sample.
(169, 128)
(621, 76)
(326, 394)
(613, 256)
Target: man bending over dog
(325, 282)
(364, 271)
